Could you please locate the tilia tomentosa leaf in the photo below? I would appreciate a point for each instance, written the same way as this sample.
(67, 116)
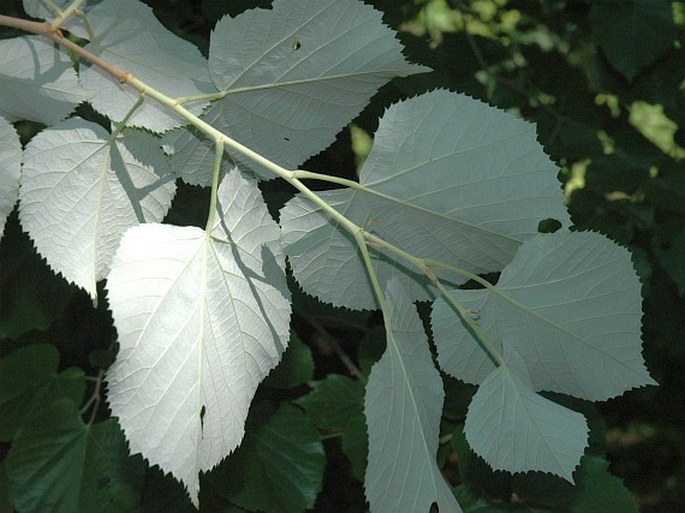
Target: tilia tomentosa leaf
(566, 311)
(403, 407)
(10, 165)
(80, 190)
(202, 318)
(448, 178)
(291, 78)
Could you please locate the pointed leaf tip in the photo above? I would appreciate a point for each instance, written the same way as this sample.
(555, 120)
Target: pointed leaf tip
(201, 321)
(403, 406)
(517, 430)
(80, 191)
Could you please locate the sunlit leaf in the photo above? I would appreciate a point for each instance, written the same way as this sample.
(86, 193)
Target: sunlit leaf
(202, 319)
(10, 165)
(80, 190)
(39, 9)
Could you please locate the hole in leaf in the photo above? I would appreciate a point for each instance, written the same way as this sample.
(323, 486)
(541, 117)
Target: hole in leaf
(296, 45)
(548, 226)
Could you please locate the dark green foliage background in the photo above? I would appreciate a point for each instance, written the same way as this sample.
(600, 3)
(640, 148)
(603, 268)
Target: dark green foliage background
(605, 83)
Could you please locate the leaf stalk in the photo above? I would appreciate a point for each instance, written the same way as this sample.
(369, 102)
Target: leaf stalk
(218, 157)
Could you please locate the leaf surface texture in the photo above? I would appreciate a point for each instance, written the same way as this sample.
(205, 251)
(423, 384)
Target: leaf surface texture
(569, 304)
(515, 429)
(80, 191)
(10, 166)
(202, 319)
(403, 406)
(449, 179)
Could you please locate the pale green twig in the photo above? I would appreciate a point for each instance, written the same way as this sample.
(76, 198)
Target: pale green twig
(218, 157)
(122, 124)
(73, 9)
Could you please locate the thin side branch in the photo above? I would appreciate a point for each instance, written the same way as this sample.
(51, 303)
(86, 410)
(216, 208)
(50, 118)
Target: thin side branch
(337, 349)
(47, 30)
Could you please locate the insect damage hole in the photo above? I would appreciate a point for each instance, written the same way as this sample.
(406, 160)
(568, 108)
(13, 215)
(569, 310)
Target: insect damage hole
(296, 45)
(202, 421)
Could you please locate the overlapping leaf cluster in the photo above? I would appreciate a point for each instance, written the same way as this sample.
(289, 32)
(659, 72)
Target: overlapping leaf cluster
(451, 189)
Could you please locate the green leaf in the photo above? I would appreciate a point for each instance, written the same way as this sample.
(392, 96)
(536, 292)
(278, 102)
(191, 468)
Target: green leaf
(296, 367)
(127, 34)
(473, 503)
(59, 464)
(371, 348)
(355, 444)
(202, 319)
(337, 403)
(163, 494)
(546, 489)
(333, 401)
(81, 190)
(448, 179)
(10, 165)
(517, 430)
(29, 287)
(403, 406)
(29, 382)
(569, 304)
(278, 467)
(292, 76)
(37, 81)
(599, 491)
(633, 33)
